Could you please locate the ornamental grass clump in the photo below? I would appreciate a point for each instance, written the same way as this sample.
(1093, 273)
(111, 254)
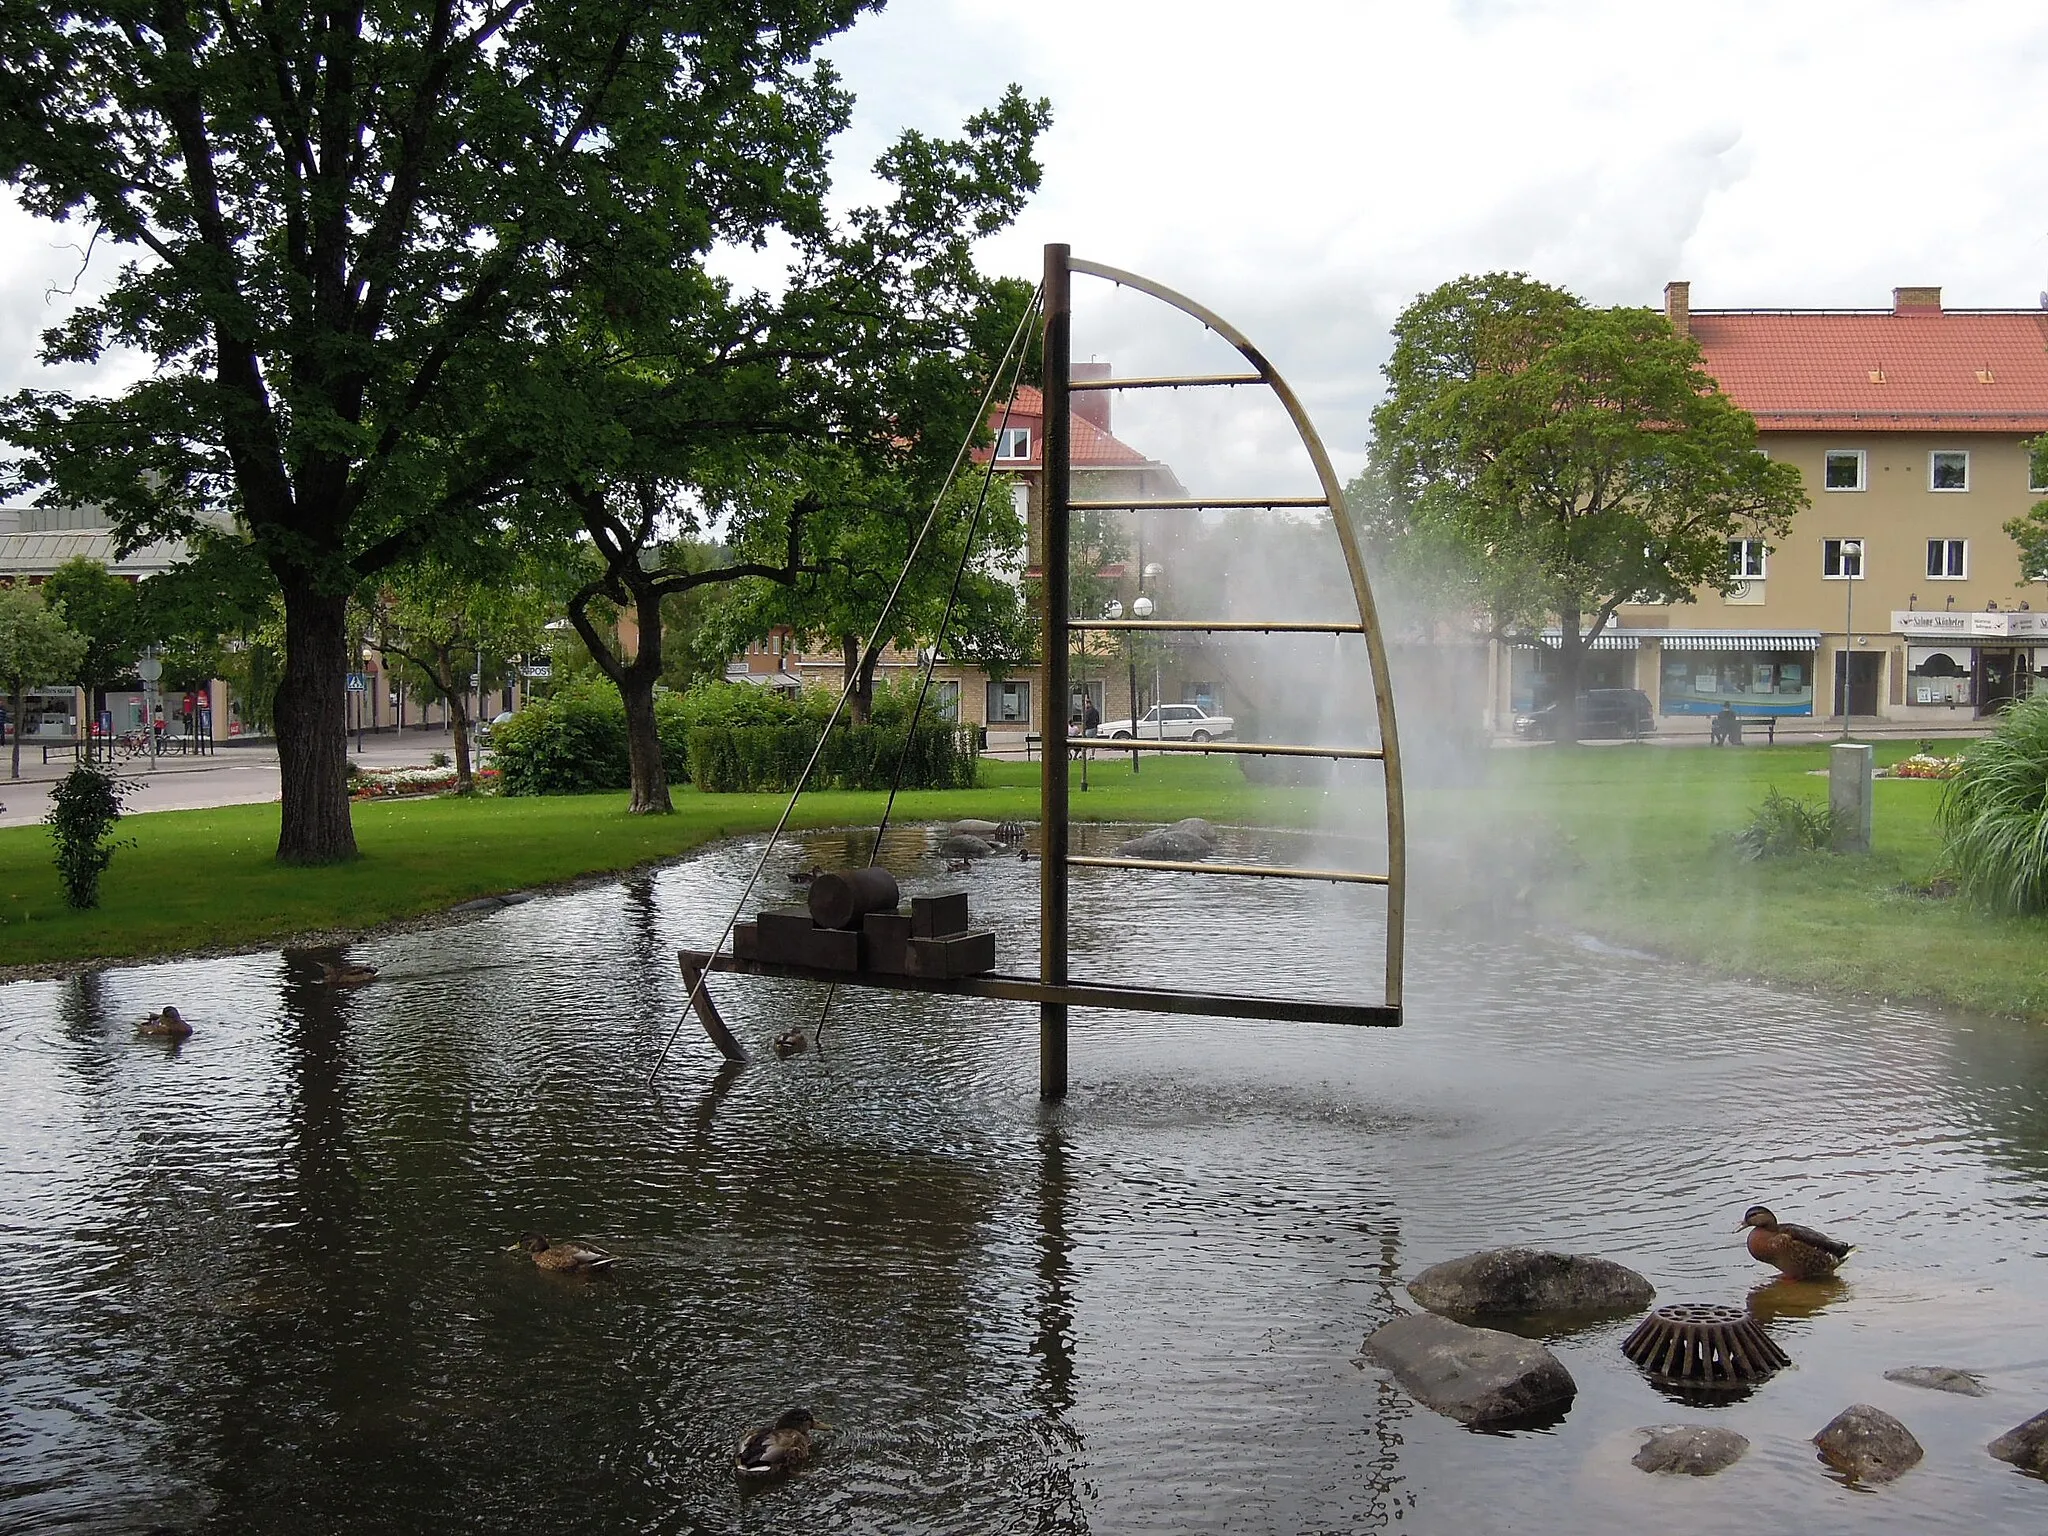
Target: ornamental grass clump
(1994, 815)
(1783, 827)
(83, 809)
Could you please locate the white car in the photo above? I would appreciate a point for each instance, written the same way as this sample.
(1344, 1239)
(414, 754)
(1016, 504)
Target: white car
(1170, 722)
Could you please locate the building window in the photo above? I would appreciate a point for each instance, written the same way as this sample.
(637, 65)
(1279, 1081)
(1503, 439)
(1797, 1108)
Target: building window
(1844, 469)
(1009, 703)
(1013, 443)
(1746, 559)
(2037, 465)
(1948, 471)
(1948, 559)
(1841, 559)
(946, 701)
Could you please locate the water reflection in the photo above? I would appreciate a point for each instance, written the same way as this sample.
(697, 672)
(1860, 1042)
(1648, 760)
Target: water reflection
(260, 1285)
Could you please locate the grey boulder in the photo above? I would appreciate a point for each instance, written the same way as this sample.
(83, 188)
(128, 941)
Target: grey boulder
(1939, 1378)
(1868, 1444)
(964, 845)
(1509, 1281)
(1697, 1450)
(973, 828)
(1474, 1375)
(2025, 1445)
(1166, 843)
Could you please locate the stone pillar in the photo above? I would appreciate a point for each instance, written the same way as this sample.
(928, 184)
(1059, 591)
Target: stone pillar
(1849, 795)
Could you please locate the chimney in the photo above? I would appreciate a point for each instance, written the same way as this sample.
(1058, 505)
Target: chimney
(1091, 405)
(1916, 300)
(1678, 307)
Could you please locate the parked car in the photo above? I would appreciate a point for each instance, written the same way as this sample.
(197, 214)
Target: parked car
(1603, 712)
(483, 731)
(1171, 722)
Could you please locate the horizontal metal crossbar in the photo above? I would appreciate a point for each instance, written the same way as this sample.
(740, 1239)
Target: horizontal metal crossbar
(1198, 503)
(1245, 748)
(1076, 994)
(1169, 381)
(1220, 626)
(1261, 871)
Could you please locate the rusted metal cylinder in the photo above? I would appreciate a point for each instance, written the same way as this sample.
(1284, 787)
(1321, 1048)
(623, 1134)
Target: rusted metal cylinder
(840, 898)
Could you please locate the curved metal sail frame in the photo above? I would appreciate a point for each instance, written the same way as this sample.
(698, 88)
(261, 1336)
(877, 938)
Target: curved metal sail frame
(1057, 506)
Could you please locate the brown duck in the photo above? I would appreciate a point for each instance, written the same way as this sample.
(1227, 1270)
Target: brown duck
(166, 1024)
(778, 1447)
(1800, 1252)
(564, 1257)
(347, 974)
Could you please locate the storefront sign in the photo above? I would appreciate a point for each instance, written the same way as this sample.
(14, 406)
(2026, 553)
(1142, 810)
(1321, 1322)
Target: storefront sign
(1956, 625)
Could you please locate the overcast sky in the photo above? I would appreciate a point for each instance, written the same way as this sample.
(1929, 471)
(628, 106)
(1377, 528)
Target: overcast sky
(1306, 167)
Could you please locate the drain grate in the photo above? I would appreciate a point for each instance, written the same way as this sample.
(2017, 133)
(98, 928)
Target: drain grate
(1701, 1344)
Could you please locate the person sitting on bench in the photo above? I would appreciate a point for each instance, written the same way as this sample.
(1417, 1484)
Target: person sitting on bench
(1727, 729)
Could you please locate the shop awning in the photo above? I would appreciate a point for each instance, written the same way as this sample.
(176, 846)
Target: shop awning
(1739, 640)
(1606, 640)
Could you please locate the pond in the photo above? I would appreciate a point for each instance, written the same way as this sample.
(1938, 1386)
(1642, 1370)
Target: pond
(260, 1282)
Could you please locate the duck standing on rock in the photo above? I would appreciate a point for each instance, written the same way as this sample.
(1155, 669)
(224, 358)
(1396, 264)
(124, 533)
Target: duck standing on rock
(1800, 1252)
(165, 1024)
(566, 1258)
(780, 1447)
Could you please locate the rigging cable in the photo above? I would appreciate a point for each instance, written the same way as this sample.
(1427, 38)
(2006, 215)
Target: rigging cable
(1014, 349)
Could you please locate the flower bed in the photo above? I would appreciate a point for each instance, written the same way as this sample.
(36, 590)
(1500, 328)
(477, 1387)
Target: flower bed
(387, 783)
(1926, 765)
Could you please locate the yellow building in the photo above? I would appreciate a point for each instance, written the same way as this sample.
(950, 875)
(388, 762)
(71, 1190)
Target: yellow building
(1898, 594)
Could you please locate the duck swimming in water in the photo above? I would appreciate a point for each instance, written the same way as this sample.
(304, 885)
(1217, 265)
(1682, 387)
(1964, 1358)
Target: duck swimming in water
(782, 1446)
(1800, 1252)
(564, 1257)
(344, 974)
(165, 1024)
(791, 1043)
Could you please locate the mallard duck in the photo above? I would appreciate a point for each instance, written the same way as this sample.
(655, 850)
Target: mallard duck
(1800, 1252)
(806, 876)
(342, 973)
(564, 1257)
(166, 1023)
(959, 866)
(791, 1043)
(780, 1447)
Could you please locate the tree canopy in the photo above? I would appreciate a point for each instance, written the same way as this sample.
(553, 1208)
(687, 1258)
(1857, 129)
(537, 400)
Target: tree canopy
(399, 270)
(36, 647)
(1570, 459)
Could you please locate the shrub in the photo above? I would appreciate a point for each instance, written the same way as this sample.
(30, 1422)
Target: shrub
(770, 757)
(83, 809)
(1994, 814)
(1782, 827)
(573, 743)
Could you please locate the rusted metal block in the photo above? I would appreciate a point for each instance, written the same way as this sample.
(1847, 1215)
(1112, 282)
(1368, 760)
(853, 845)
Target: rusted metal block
(887, 935)
(831, 949)
(746, 941)
(937, 917)
(957, 954)
(782, 934)
(840, 897)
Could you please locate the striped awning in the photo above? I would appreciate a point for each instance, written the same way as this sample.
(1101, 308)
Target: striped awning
(1606, 640)
(1740, 640)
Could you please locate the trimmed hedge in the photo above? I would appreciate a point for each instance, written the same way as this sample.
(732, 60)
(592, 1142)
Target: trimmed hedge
(770, 757)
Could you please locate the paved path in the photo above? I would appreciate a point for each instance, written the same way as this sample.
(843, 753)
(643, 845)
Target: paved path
(234, 775)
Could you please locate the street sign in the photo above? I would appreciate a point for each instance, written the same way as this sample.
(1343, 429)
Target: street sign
(149, 669)
(358, 682)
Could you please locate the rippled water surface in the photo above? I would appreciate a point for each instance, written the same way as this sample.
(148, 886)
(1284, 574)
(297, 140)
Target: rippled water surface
(259, 1282)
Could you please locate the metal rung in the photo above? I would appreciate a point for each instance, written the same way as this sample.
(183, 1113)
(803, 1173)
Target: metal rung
(1169, 381)
(1218, 626)
(1198, 503)
(1262, 871)
(1247, 748)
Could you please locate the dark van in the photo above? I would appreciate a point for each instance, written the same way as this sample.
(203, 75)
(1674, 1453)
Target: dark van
(1603, 713)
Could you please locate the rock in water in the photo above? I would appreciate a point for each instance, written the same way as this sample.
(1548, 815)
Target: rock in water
(1696, 1450)
(1868, 1444)
(2025, 1445)
(964, 845)
(1939, 1378)
(1194, 826)
(1166, 843)
(1506, 1281)
(973, 828)
(1473, 1375)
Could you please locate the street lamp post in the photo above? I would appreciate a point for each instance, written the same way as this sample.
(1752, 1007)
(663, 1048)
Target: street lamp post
(1143, 609)
(1851, 548)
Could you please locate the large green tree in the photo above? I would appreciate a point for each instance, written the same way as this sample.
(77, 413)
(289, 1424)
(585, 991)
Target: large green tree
(107, 611)
(1572, 459)
(363, 240)
(2030, 529)
(36, 647)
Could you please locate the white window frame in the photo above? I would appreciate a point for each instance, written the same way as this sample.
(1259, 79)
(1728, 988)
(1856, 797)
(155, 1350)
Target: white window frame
(1862, 558)
(1952, 552)
(1016, 687)
(1739, 553)
(1862, 468)
(1935, 456)
(1013, 443)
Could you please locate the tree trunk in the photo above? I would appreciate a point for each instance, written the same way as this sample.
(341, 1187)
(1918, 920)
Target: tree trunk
(859, 673)
(312, 729)
(458, 717)
(636, 689)
(1571, 655)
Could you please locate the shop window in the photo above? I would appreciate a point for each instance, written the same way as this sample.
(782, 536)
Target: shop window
(1844, 471)
(1949, 471)
(1746, 559)
(1009, 703)
(1948, 559)
(1841, 559)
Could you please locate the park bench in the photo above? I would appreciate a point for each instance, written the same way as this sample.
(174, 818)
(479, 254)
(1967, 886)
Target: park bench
(1768, 722)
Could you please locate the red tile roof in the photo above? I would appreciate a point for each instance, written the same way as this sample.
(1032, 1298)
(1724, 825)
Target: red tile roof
(1920, 371)
(1091, 447)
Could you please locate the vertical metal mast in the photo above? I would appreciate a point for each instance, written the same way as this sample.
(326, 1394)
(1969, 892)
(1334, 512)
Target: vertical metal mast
(1054, 495)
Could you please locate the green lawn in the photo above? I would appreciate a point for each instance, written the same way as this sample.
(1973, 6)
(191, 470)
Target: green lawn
(198, 879)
